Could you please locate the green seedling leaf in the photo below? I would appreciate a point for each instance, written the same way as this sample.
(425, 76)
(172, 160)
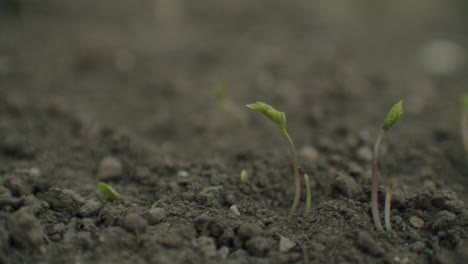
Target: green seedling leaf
(308, 193)
(465, 101)
(244, 176)
(156, 204)
(393, 115)
(279, 118)
(220, 94)
(108, 193)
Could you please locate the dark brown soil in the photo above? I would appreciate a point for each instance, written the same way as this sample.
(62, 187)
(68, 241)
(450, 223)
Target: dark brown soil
(123, 92)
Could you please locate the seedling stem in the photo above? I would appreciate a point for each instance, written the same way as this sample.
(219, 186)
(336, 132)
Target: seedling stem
(308, 194)
(392, 117)
(388, 204)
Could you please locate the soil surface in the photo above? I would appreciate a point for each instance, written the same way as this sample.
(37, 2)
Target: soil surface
(123, 92)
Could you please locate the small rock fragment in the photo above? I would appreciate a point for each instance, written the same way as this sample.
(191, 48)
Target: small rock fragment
(109, 168)
(25, 230)
(364, 153)
(234, 209)
(285, 244)
(134, 223)
(309, 153)
(248, 231)
(345, 185)
(416, 222)
(90, 208)
(154, 215)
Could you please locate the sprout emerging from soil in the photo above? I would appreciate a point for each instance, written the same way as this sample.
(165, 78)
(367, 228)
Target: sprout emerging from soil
(464, 122)
(156, 204)
(308, 194)
(392, 117)
(388, 204)
(279, 118)
(244, 176)
(108, 193)
(229, 106)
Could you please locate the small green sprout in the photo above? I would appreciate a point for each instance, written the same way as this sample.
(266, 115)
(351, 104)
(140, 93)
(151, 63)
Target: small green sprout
(229, 106)
(464, 122)
(392, 117)
(308, 193)
(244, 176)
(279, 118)
(388, 204)
(108, 193)
(156, 204)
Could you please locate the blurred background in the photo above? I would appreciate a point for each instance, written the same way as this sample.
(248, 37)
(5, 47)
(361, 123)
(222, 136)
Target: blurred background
(150, 67)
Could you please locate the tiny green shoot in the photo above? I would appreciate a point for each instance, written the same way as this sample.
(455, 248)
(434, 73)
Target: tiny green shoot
(279, 118)
(156, 204)
(392, 117)
(244, 176)
(108, 193)
(464, 122)
(308, 193)
(388, 204)
(228, 106)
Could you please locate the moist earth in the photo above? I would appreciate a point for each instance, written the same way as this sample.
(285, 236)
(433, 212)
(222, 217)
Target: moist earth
(94, 92)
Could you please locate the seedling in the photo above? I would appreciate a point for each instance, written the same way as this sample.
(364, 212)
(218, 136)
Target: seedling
(156, 204)
(308, 194)
(108, 193)
(279, 118)
(392, 117)
(244, 176)
(464, 122)
(228, 106)
(388, 204)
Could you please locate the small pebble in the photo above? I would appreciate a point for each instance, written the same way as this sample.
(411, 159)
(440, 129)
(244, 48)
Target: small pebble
(285, 244)
(109, 168)
(154, 215)
(182, 174)
(90, 208)
(234, 209)
(134, 223)
(309, 153)
(416, 222)
(364, 153)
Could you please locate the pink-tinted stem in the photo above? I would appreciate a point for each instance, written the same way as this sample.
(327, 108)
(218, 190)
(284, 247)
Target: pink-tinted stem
(375, 183)
(388, 204)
